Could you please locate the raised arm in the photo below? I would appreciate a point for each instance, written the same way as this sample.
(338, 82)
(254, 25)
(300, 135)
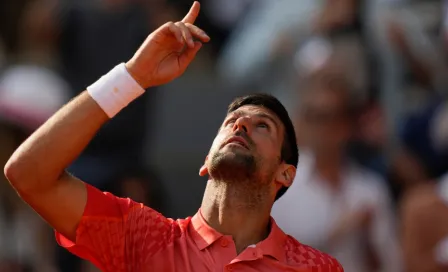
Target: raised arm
(37, 168)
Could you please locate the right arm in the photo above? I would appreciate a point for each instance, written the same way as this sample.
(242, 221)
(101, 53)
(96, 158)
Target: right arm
(80, 213)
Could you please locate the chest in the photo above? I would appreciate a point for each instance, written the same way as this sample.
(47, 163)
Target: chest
(184, 256)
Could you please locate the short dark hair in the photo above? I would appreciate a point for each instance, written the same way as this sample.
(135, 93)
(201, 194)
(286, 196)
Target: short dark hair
(289, 152)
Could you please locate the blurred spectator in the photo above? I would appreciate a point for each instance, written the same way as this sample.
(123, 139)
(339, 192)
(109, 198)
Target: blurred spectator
(249, 49)
(370, 138)
(335, 204)
(284, 50)
(405, 39)
(423, 154)
(425, 204)
(424, 135)
(29, 93)
(424, 227)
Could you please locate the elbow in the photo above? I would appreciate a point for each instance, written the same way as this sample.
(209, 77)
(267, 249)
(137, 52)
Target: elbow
(18, 176)
(13, 173)
(28, 177)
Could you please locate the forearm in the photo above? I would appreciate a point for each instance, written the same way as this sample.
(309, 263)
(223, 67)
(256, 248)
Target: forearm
(40, 161)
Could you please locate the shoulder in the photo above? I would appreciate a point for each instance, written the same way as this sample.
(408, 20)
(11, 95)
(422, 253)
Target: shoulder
(150, 230)
(105, 208)
(143, 217)
(301, 254)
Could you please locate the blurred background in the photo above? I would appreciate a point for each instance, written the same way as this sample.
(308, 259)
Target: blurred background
(364, 80)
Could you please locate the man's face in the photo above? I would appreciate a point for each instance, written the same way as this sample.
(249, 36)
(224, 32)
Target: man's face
(325, 121)
(247, 147)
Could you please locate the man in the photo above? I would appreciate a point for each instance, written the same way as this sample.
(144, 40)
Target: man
(346, 207)
(251, 162)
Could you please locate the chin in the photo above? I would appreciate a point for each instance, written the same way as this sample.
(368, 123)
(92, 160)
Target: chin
(232, 165)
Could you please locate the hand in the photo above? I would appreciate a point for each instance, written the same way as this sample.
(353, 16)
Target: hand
(168, 51)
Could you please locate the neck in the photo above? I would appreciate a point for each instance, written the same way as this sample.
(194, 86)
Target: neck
(328, 166)
(229, 209)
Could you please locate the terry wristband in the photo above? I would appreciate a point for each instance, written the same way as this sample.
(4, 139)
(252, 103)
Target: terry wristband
(115, 90)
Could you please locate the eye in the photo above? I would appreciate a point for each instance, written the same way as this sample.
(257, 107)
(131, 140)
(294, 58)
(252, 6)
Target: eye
(231, 121)
(263, 125)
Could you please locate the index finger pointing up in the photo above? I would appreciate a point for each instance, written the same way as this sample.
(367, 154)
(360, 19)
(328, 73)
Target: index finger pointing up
(193, 13)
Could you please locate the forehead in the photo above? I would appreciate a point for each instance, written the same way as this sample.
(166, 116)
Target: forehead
(253, 110)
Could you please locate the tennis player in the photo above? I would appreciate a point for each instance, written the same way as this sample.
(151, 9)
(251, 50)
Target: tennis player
(250, 164)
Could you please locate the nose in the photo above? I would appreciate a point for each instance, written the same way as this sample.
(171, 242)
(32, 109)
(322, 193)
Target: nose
(242, 123)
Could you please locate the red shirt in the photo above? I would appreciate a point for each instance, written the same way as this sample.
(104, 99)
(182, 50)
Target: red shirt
(119, 234)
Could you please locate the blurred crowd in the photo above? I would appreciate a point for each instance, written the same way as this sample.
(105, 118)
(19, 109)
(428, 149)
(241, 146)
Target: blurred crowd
(365, 82)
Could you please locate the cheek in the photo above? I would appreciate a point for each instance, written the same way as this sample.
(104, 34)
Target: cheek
(219, 139)
(267, 146)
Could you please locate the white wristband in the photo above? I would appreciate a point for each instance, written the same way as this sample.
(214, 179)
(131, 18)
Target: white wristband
(115, 90)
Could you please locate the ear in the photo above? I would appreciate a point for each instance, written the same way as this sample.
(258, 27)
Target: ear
(286, 174)
(204, 170)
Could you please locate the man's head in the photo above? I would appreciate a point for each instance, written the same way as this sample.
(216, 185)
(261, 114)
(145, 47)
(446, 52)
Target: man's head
(326, 113)
(256, 143)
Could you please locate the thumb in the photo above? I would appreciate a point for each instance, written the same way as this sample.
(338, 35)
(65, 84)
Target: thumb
(187, 57)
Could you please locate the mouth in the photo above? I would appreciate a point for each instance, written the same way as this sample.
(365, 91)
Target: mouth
(236, 140)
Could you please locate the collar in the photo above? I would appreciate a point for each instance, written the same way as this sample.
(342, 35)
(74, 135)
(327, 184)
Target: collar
(204, 236)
